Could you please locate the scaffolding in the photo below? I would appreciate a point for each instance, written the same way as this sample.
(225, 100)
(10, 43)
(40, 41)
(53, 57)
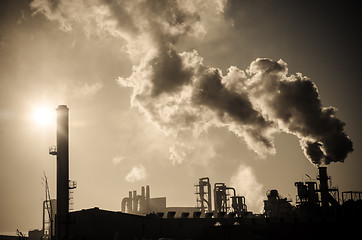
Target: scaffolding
(351, 195)
(203, 195)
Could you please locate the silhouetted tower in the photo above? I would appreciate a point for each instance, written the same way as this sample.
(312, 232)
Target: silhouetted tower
(62, 219)
(323, 186)
(203, 192)
(329, 196)
(221, 197)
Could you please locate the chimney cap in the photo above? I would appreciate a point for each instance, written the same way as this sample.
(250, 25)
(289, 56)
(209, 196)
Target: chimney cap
(62, 106)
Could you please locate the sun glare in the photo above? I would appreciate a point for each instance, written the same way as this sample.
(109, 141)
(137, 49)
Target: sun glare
(44, 116)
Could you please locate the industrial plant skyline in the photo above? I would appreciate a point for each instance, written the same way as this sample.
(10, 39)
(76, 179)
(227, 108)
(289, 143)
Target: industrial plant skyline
(255, 94)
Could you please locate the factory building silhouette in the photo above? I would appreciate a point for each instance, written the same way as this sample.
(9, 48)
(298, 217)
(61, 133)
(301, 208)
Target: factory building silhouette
(220, 213)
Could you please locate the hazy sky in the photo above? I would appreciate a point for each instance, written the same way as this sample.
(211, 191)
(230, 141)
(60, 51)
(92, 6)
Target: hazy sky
(165, 92)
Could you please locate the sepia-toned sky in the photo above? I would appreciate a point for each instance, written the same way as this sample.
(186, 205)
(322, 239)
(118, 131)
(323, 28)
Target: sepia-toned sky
(161, 93)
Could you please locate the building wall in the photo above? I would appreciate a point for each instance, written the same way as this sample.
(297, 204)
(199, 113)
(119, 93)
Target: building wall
(95, 224)
(156, 204)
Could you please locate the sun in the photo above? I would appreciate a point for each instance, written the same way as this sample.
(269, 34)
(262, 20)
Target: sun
(44, 116)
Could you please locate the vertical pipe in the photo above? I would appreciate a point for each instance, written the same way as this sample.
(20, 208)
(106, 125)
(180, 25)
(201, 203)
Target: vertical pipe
(143, 200)
(44, 218)
(134, 201)
(62, 172)
(201, 193)
(143, 191)
(209, 196)
(205, 183)
(323, 186)
(148, 192)
(147, 205)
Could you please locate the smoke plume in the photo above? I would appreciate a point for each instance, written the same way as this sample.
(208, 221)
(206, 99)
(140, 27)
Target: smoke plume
(246, 184)
(177, 92)
(137, 173)
(293, 103)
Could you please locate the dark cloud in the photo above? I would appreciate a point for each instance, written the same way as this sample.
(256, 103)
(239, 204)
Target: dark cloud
(294, 102)
(337, 147)
(313, 151)
(210, 91)
(169, 74)
(177, 92)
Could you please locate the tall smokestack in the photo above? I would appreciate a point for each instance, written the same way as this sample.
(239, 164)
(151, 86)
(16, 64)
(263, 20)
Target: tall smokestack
(134, 203)
(143, 192)
(148, 192)
(62, 173)
(323, 186)
(143, 200)
(148, 195)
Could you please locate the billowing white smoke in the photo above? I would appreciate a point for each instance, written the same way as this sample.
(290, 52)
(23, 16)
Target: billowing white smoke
(246, 184)
(254, 104)
(177, 92)
(137, 173)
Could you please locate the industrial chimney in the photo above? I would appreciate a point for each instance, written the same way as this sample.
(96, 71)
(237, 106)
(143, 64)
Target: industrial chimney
(326, 198)
(62, 219)
(323, 185)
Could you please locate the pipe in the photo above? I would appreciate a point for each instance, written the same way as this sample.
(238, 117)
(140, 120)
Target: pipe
(143, 200)
(323, 186)
(147, 192)
(202, 183)
(147, 202)
(228, 188)
(143, 191)
(62, 220)
(134, 201)
(220, 197)
(126, 203)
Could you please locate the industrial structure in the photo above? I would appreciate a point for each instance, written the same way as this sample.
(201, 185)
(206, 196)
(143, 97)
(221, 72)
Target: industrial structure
(56, 218)
(142, 204)
(62, 153)
(203, 193)
(317, 211)
(313, 200)
(219, 213)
